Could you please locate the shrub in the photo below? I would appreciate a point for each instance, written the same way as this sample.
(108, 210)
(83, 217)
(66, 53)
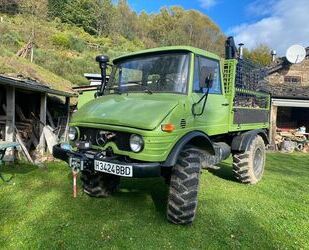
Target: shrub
(61, 40)
(68, 41)
(11, 38)
(76, 43)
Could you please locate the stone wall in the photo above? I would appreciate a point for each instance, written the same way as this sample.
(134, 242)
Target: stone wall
(293, 73)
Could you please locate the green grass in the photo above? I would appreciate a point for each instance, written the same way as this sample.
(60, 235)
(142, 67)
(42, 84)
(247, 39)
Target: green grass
(38, 211)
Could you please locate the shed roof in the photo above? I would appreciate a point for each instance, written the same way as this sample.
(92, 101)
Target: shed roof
(27, 75)
(285, 90)
(27, 84)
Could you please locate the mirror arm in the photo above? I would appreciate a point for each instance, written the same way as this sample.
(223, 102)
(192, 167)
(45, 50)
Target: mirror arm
(205, 97)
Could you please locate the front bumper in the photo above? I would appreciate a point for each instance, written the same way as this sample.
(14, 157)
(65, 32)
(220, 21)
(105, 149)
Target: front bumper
(140, 170)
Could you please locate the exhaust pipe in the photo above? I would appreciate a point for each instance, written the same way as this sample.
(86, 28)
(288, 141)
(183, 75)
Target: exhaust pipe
(273, 55)
(241, 51)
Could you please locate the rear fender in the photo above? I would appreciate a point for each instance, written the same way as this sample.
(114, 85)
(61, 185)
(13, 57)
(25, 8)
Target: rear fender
(195, 138)
(241, 143)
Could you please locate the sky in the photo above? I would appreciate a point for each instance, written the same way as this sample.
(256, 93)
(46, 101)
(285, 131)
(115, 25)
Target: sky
(276, 23)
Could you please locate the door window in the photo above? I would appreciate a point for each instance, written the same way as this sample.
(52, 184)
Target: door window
(205, 68)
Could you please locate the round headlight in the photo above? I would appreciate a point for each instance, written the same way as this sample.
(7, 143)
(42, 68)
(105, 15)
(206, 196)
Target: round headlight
(136, 143)
(73, 133)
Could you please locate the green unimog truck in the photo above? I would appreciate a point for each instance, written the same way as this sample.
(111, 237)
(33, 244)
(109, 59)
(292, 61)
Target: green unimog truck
(170, 112)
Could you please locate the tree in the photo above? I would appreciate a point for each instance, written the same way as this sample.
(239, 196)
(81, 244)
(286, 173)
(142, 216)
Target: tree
(56, 8)
(260, 54)
(104, 12)
(80, 13)
(34, 7)
(9, 6)
(126, 21)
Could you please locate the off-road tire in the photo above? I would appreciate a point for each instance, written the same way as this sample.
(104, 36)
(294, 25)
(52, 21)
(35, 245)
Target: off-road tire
(183, 190)
(99, 185)
(248, 167)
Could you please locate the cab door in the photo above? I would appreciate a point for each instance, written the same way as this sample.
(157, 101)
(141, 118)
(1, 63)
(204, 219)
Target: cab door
(214, 120)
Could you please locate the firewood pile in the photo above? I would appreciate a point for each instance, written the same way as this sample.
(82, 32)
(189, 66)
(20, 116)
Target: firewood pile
(248, 100)
(292, 140)
(28, 134)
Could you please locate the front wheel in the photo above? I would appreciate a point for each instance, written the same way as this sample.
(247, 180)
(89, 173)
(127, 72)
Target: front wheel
(248, 167)
(99, 185)
(183, 190)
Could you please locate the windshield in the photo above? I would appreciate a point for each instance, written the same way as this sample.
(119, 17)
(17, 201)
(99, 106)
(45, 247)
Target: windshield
(154, 73)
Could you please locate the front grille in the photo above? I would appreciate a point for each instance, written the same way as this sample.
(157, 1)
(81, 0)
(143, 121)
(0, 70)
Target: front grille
(121, 139)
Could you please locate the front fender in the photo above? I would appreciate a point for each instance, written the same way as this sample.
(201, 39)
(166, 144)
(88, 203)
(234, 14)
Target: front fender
(195, 138)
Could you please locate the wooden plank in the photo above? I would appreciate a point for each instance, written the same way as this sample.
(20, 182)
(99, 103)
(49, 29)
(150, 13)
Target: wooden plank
(4, 108)
(43, 110)
(10, 121)
(50, 137)
(10, 114)
(19, 112)
(33, 140)
(50, 119)
(23, 147)
(273, 125)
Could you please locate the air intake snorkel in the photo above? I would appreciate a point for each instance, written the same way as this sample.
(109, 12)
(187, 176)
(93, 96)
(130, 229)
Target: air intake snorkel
(103, 62)
(230, 48)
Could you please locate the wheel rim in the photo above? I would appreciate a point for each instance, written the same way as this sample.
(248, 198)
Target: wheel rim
(258, 162)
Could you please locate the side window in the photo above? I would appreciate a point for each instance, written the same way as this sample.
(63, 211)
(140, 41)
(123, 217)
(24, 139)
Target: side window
(203, 68)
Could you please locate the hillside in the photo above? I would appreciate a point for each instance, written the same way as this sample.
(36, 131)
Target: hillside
(66, 45)
(63, 49)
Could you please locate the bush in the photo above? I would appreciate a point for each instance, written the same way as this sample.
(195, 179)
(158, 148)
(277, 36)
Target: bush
(11, 38)
(61, 40)
(76, 44)
(68, 41)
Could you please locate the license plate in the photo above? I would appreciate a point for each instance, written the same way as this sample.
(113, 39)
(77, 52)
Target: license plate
(112, 168)
(76, 163)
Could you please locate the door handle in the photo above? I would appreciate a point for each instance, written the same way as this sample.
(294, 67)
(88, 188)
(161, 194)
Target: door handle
(225, 104)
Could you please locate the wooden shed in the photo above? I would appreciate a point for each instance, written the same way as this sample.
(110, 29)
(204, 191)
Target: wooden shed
(29, 104)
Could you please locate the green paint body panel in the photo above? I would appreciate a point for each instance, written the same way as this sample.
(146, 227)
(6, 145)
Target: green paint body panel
(144, 113)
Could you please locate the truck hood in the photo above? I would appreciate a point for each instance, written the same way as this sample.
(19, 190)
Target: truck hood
(137, 110)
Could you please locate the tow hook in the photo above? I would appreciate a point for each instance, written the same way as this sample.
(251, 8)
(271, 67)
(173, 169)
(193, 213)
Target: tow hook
(74, 174)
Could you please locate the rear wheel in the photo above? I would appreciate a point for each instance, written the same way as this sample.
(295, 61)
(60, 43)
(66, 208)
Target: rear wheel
(182, 198)
(248, 167)
(99, 184)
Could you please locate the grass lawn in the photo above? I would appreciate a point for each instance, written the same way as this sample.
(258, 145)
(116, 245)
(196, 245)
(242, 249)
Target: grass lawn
(37, 211)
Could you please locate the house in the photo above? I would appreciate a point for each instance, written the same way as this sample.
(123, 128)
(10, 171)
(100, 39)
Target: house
(289, 86)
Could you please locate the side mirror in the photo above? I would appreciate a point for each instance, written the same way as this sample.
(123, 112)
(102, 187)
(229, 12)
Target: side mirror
(207, 82)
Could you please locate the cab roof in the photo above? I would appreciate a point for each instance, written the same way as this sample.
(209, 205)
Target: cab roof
(169, 49)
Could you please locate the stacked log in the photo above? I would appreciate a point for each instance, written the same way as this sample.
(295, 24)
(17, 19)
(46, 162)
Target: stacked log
(29, 133)
(289, 141)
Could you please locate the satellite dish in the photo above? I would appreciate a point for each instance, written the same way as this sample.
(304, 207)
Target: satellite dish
(296, 54)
